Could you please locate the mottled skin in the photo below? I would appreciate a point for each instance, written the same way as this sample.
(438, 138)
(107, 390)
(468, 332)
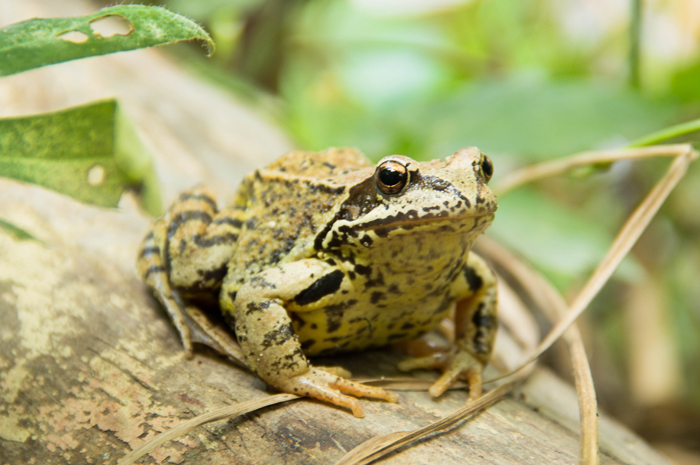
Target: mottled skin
(324, 252)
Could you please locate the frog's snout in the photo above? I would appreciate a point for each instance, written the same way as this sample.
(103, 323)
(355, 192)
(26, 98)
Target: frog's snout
(464, 158)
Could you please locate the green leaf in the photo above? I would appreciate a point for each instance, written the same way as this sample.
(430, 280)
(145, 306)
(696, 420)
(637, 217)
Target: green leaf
(40, 42)
(91, 153)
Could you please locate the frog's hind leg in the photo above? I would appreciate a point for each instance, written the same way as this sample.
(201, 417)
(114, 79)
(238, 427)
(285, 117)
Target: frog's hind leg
(187, 251)
(475, 328)
(154, 273)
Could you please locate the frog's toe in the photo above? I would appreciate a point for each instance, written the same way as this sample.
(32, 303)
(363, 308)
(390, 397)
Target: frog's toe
(362, 390)
(461, 365)
(321, 385)
(428, 362)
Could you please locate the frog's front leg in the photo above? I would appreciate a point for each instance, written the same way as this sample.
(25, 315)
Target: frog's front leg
(475, 331)
(187, 251)
(269, 343)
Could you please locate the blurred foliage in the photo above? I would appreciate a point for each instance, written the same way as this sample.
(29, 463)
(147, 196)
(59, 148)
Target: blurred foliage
(525, 81)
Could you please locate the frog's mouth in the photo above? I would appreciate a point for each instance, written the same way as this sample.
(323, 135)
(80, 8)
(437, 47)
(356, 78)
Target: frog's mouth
(409, 220)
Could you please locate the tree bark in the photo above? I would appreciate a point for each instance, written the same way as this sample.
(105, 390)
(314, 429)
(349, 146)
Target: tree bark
(90, 366)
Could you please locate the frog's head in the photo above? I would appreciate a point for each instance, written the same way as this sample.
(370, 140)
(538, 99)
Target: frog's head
(402, 197)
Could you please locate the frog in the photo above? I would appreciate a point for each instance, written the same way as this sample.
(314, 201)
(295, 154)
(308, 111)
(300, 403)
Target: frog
(326, 252)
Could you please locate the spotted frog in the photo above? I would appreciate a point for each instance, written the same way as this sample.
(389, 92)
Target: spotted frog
(324, 252)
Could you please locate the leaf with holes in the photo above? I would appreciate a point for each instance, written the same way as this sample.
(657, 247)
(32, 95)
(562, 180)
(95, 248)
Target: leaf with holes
(40, 42)
(91, 153)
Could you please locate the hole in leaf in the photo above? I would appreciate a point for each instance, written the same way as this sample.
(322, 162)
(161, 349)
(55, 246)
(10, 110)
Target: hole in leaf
(76, 37)
(96, 175)
(111, 25)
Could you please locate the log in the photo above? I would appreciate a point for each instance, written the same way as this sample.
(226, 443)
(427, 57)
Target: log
(90, 366)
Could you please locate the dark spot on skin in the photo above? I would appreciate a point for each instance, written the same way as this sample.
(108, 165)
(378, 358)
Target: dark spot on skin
(222, 239)
(482, 319)
(395, 336)
(186, 216)
(253, 307)
(363, 270)
(278, 337)
(352, 275)
(377, 296)
(393, 289)
(148, 251)
(203, 197)
(306, 345)
(313, 326)
(334, 315)
(322, 287)
(366, 240)
(216, 274)
(408, 326)
(376, 282)
(473, 280)
(260, 283)
(153, 269)
(347, 231)
(234, 222)
(300, 323)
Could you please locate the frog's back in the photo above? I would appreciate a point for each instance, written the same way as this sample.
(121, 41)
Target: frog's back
(319, 165)
(286, 204)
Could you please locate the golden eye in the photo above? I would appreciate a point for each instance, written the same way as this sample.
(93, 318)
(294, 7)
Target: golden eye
(486, 167)
(391, 177)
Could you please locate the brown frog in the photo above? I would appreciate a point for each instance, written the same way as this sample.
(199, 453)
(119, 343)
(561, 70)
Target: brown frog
(325, 252)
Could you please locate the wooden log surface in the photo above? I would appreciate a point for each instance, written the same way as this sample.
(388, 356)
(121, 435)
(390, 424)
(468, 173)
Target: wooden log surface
(90, 366)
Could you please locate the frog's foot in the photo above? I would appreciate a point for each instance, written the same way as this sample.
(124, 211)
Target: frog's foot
(455, 364)
(322, 385)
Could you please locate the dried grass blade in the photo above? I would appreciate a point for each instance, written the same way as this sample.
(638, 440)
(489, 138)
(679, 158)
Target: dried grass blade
(189, 425)
(624, 241)
(380, 446)
(554, 306)
(407, 384)
(560, 165)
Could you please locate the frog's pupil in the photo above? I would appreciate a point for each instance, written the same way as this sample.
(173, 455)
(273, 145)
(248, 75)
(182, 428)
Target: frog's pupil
(389, 176)
(487, 167)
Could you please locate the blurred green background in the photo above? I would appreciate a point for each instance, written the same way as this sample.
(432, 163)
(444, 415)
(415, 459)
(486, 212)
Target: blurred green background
(525, 81)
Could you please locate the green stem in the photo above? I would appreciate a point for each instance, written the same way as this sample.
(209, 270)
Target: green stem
(668, 133)
(635, 40)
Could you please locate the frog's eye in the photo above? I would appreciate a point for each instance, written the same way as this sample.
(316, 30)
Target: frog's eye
(486, 167)
(391, 177)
